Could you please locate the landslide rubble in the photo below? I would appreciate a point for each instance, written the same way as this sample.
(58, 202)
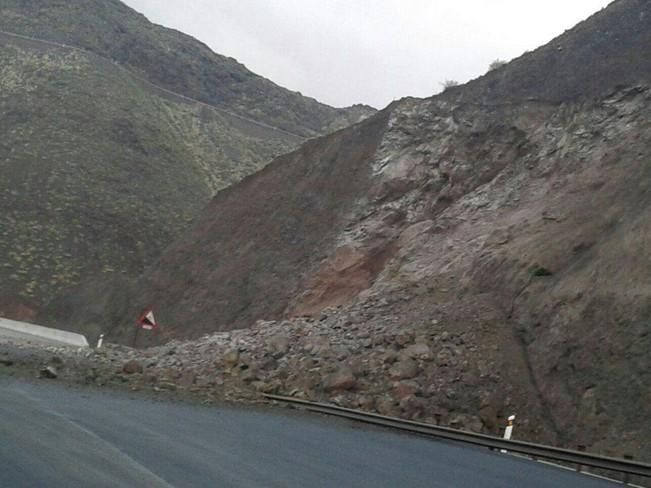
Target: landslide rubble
(354, 358)
(456, 259)
(495, 265)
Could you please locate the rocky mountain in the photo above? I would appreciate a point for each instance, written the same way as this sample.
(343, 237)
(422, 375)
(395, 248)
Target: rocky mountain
(107, 149)
(172, 60)
(464, 257)
(606, 50)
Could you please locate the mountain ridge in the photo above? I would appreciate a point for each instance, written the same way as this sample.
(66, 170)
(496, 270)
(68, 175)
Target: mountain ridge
(164, 91)
(607, 45)
(170, 59)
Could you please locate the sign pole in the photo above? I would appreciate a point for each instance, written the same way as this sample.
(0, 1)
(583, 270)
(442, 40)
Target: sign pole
(145, 321)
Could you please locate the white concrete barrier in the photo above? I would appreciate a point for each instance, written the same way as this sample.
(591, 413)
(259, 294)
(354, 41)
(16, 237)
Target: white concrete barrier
(38, 331)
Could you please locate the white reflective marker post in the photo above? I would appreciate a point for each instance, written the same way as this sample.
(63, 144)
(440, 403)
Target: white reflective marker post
(100, 341)
(509, 429)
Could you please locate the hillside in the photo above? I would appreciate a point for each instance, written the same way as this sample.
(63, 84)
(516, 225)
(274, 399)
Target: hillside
(171, 60)
(101, 166)
(604, 51)
(468, 256)
(98, 173)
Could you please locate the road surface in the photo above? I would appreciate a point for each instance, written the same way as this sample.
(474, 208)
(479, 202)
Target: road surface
(8, 334)
(22, 338)
(55, 436)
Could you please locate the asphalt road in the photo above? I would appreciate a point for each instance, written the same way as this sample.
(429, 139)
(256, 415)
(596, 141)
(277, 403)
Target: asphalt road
(22, 338)
(53, 436)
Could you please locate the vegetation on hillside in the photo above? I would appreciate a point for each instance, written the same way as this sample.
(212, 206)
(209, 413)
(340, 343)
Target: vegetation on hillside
(97, 173)
(171, 59)
(103, 159)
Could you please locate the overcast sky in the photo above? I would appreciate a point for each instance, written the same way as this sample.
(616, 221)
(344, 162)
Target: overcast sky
(369, 51)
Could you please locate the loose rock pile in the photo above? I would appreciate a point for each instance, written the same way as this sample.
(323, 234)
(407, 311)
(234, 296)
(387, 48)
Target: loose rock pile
(331, 358)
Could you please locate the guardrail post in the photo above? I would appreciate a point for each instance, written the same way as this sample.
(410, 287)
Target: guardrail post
(579, 467)
(508, 431)
(509, 428)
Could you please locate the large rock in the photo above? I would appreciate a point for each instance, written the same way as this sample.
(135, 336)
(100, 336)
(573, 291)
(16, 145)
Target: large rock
(386, 406)
(403, 339)
(248, 373)
(466, 422)
(366, 403)
(187, 379)
(317, 345)
(266, 387)
(412, 406)
(419, 351)
(343, 379)
(403, 389)
(231, 358)
(488, 416)
(49, 372)
(278, 345)
(404, 370)
(132, 367)
(388, 357)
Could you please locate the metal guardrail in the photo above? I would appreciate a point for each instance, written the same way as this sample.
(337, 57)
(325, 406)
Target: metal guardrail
(527, 448)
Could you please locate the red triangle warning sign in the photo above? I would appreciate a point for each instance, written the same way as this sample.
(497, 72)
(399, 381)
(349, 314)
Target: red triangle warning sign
(147, 320)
